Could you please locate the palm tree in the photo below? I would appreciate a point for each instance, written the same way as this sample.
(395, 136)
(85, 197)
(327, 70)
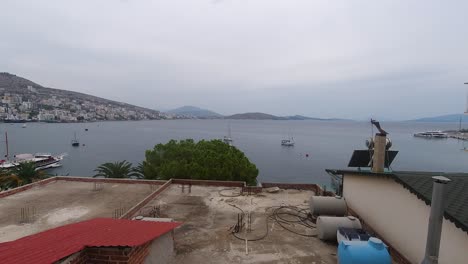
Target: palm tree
(139, 170)
(8, 180)
(122, 169)
(23, 173)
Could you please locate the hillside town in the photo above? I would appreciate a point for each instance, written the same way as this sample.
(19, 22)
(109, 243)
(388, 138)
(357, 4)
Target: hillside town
(25, 101)
(16, 108)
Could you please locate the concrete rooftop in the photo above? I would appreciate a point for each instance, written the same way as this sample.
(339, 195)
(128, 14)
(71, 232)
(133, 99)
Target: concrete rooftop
(208, 214)
(63, 202)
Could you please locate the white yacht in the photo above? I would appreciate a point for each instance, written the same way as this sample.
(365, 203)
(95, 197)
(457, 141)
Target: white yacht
(41, 160)
(432, 134)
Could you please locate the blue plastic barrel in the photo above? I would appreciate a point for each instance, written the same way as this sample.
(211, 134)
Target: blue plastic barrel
(372, 251)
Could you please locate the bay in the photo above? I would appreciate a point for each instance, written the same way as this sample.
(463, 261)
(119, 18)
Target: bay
(329, 144)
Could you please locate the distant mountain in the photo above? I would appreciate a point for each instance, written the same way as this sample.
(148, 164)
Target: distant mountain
(300, 117)
(193, 111)
(255, 116)
(263, 116)
(443, 118)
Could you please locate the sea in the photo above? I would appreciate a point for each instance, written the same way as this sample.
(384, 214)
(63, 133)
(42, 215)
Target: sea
(319, 145)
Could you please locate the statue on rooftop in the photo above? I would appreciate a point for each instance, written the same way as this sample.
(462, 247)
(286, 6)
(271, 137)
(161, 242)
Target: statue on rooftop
(377, 125)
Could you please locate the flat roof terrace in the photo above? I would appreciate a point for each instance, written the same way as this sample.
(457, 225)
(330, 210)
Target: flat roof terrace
(209, 214)
(59, 202)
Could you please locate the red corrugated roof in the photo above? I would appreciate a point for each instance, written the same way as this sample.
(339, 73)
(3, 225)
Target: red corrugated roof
(54, 244)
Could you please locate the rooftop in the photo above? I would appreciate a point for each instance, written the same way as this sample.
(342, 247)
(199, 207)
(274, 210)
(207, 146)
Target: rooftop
(209, 214)
(62, 202)
(99, 232)
(420, 184)
(279, 230)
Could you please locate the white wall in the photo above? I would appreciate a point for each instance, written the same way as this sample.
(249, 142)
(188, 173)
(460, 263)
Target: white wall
(161, 250)
(401, 218)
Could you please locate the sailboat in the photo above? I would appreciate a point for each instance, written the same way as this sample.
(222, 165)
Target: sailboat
(289, 142)
(75, 142)
(227, 139)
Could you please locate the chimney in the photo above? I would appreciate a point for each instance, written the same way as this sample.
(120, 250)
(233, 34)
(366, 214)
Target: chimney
(378, 159)
(435, 220)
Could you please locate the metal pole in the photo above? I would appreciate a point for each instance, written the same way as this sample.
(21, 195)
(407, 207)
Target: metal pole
(436, 218)
(466, 107)
(6, 142)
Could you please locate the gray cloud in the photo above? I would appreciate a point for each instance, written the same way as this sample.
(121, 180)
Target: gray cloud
(318, 58)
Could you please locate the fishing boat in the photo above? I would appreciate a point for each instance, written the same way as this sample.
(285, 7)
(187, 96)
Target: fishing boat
(432, 134)
(75, 142)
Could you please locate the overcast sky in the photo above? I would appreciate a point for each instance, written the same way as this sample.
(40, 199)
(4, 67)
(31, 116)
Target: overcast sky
(350, 59)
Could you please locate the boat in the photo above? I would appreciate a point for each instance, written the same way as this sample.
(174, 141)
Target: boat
(14, 120)
(41, 160)
(287, 142)
(432, 134)
(24, 125)
(75, 142)
(227, 139)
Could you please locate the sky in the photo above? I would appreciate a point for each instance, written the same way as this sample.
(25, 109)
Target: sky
(388, 59)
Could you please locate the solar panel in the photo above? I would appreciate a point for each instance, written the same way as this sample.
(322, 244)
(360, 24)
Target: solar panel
(363, 158)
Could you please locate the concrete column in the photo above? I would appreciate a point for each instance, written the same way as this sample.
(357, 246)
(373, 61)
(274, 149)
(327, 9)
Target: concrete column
(378, 159)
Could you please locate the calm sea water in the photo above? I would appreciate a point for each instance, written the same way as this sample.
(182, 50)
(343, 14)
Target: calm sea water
(328, 144)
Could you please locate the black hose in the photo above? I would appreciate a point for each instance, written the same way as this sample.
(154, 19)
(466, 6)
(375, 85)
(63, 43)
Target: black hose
(297, 216)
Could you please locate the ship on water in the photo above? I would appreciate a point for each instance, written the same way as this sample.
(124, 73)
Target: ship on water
(41, 161)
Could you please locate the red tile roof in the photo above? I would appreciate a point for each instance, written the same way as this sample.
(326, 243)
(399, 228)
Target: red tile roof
(54, 244)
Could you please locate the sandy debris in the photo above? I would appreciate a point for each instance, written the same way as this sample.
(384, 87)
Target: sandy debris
(66, 214)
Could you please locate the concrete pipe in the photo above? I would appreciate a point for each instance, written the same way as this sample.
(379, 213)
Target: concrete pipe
(325, 205)
(328, 225)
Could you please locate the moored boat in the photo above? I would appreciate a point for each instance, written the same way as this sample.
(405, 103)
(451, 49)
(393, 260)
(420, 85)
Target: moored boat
(287, 142)
(228, 139)
(75, 142)
(432, 134)
(41, 160)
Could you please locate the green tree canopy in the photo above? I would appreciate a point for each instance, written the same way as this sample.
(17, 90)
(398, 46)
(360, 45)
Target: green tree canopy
(204, 160)
(122, 169)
